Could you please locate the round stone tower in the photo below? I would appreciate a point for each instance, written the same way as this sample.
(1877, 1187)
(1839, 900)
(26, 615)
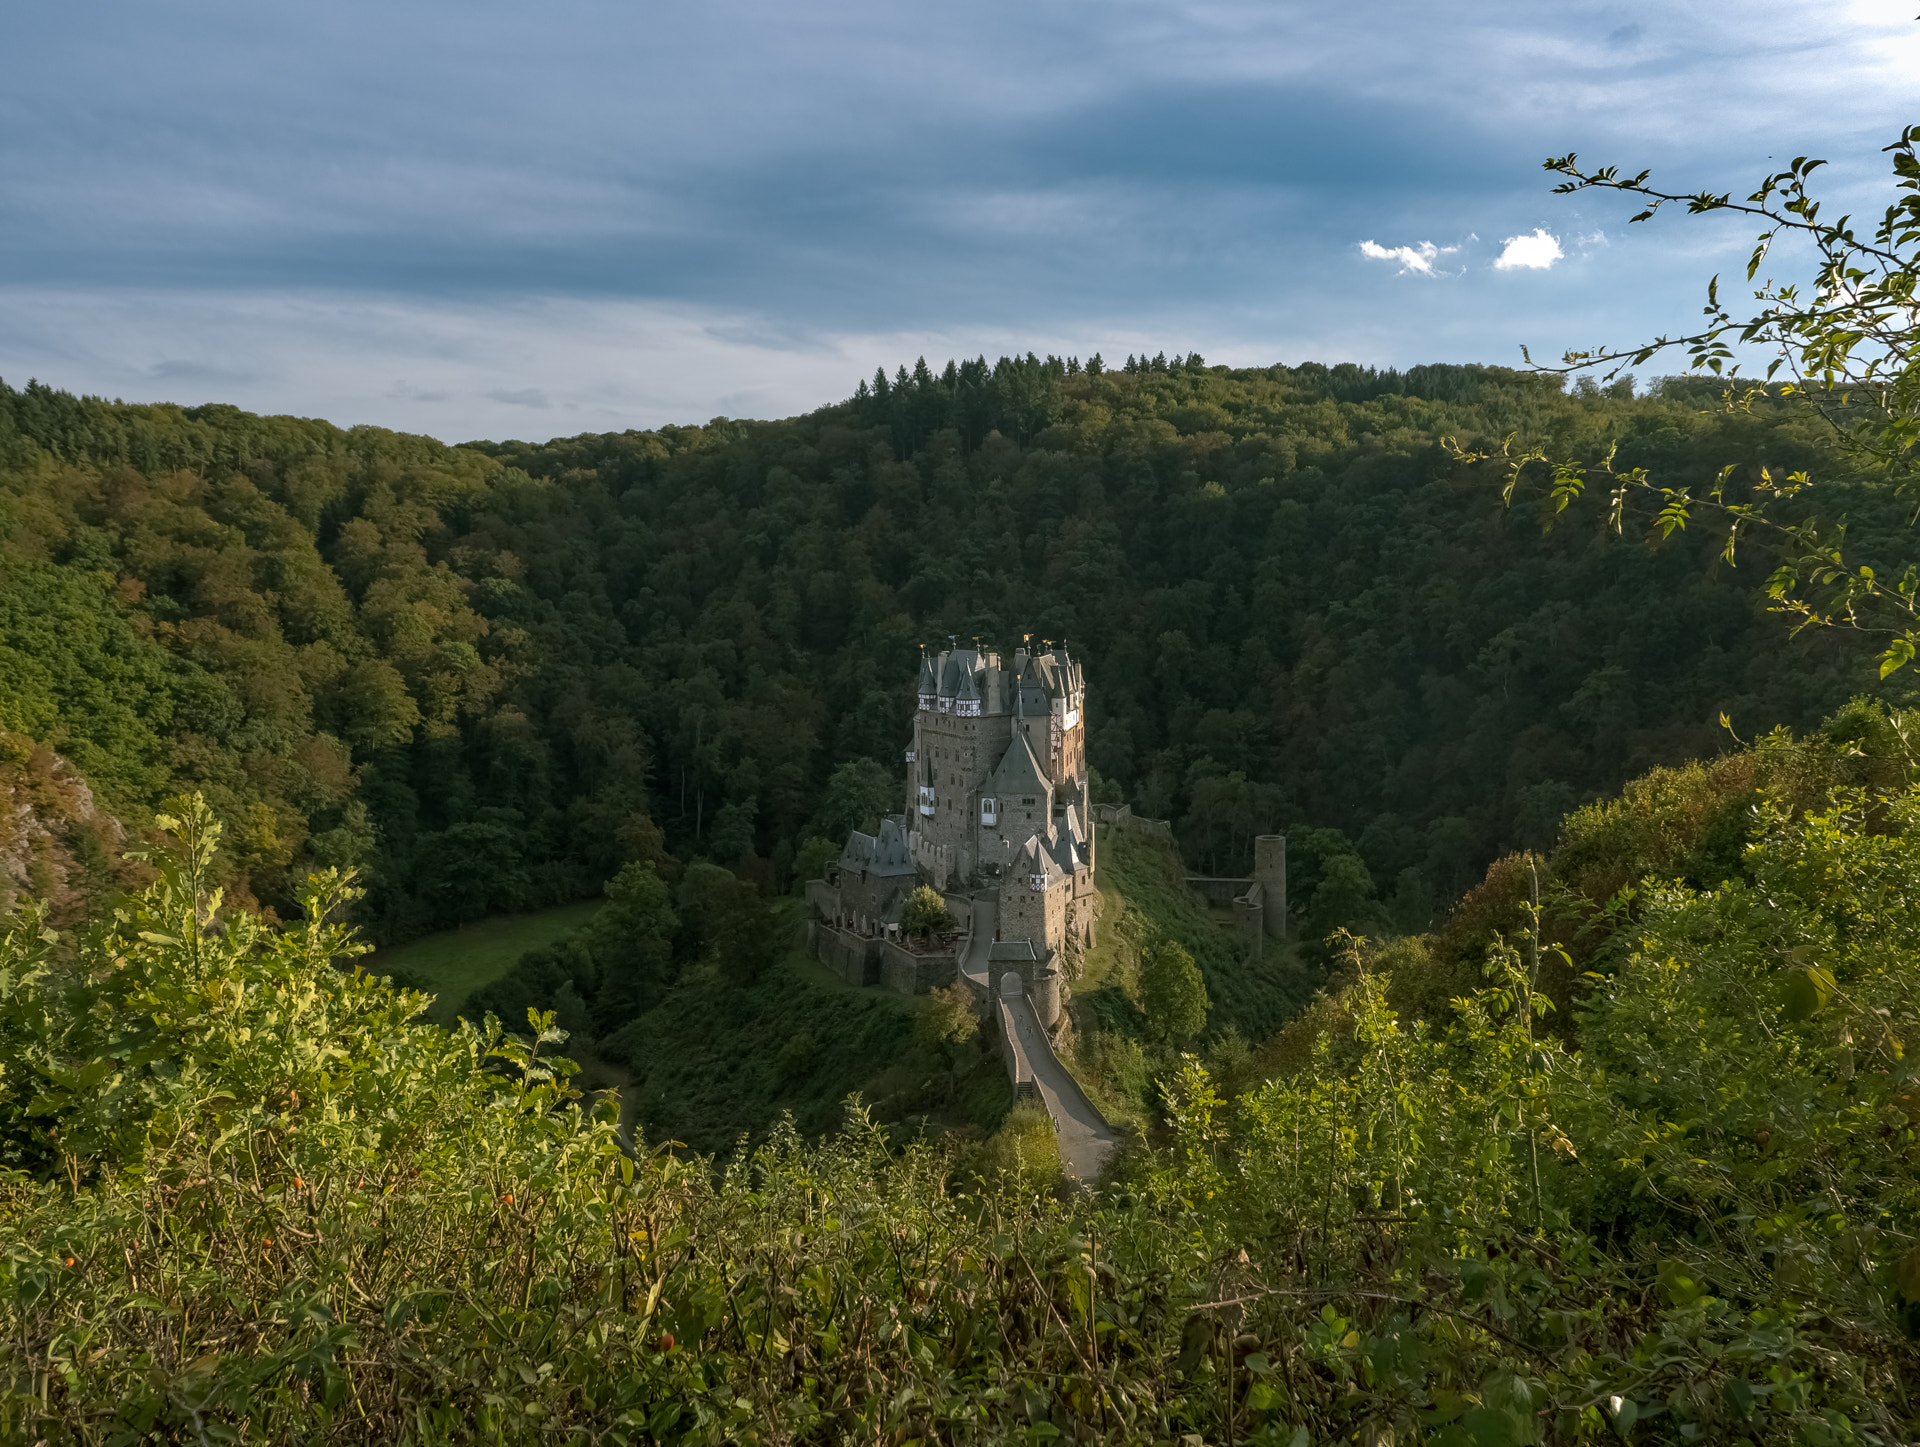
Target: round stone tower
(1270, 873)
(1046, 994)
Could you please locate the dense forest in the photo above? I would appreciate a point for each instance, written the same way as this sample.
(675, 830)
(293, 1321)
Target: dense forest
(492, 675)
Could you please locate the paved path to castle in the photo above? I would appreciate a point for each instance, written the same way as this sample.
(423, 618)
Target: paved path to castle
(980, 946)
(1086, 1140)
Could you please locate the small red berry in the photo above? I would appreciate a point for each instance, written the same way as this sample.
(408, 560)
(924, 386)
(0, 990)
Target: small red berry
(666, 1341)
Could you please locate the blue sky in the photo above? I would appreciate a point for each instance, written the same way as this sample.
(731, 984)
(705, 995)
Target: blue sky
(483, 219)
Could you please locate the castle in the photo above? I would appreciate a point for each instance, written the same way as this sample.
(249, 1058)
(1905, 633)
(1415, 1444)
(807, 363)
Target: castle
(997, 817)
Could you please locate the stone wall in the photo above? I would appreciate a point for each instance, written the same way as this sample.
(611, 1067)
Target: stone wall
(960, 906)
(1217, 891)
(911, 974)
(1247, 898)
(852, 957)
(1121, 816)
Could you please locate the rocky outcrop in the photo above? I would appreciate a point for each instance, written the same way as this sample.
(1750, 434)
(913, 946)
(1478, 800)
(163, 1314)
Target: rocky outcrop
(56, 842)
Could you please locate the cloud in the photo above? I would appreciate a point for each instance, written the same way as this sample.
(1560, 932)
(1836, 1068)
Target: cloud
(1411, 258)
(521, 397)
(1537, 250)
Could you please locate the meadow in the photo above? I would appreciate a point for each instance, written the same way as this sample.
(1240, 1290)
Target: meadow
(452, 964)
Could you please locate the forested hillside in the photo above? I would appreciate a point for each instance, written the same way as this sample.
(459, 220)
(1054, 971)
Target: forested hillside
(491, 675)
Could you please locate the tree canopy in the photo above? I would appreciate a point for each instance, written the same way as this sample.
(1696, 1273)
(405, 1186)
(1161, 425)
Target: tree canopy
(491, 675)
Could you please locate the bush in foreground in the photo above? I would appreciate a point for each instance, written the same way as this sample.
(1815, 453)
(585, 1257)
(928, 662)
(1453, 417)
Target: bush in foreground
(249, 1199)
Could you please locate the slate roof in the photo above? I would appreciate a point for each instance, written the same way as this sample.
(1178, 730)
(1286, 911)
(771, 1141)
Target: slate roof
(1035, 857)
(1018, 773)
(884, 854)
(1070, 848)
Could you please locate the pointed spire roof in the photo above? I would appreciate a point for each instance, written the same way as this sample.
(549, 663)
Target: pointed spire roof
(1019, 772)
(1034, 857)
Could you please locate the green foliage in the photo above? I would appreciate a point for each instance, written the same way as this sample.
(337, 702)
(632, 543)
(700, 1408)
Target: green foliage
(1021, 1157)
(1845, 338)
(944, 1024)
(490, 676)
(925, 913)
(248, 1197)
(812, 860)
(636, 946)
(1172, 994)
(631, 941)
(713, 1061)
(857, 794)
(1254, 996)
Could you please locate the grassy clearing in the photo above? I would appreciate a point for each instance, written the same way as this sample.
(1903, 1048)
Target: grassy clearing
(454, 963)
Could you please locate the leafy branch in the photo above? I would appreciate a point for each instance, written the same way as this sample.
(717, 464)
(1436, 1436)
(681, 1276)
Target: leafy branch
(1844, 338)
(1845, 342)
(1815, 582)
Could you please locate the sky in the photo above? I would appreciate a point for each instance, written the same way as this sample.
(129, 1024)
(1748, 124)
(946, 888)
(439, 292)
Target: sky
(480, 219)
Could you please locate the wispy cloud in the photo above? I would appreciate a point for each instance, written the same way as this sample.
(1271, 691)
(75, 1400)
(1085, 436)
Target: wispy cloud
(521, 397)
(1419, 259)
(1536, 250)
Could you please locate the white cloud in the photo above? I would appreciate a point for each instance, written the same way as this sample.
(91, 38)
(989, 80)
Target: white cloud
(1411, 258)
(1537, 250)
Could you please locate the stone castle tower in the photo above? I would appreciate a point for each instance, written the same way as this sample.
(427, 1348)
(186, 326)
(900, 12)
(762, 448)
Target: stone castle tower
(998, 762)
(998, 817)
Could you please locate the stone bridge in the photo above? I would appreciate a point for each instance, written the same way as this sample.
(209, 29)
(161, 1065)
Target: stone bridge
(1086, 1140)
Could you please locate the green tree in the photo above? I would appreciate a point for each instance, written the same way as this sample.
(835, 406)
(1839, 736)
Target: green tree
(925, 913)
(746, 934)
(631, 940)
(813, 859)
(945, 1025)
(859, 792)
(1343, 896)
(1172, 994)
(730, 837)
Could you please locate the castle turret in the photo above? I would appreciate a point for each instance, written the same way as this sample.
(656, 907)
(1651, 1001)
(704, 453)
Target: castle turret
(1270, 873)
(929, 680)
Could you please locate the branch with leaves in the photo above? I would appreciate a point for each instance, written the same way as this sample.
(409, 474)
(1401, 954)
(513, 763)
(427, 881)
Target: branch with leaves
(1844, 339)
